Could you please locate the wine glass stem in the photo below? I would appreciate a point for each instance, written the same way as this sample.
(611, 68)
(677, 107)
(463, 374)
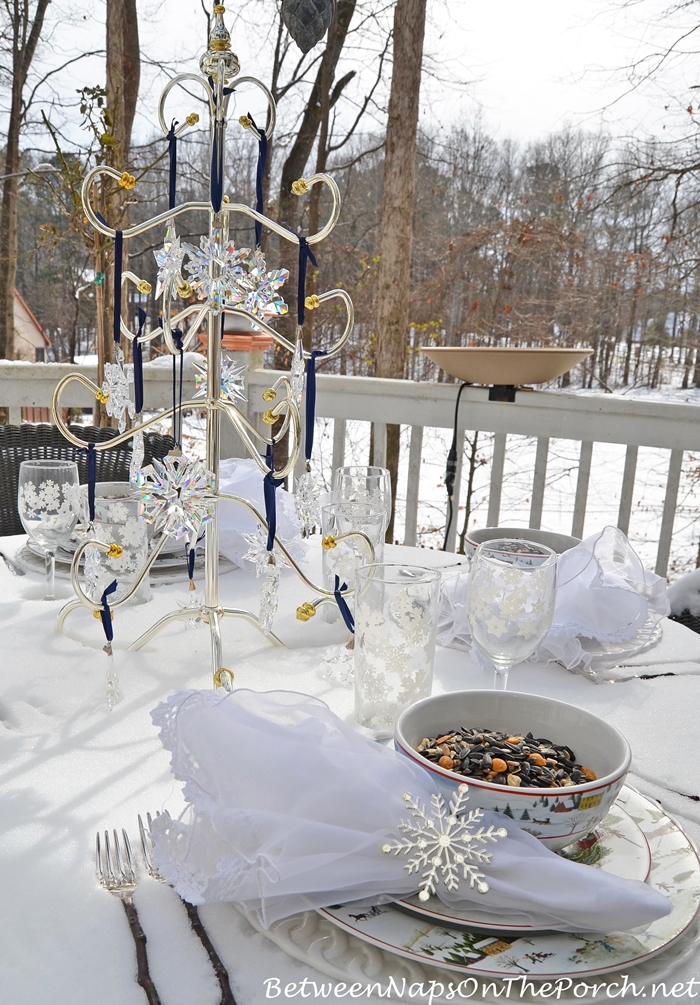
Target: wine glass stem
(50, 575)
(500, 680)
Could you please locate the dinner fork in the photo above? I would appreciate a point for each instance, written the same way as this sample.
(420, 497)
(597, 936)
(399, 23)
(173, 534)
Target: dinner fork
(115, 872)
(220, 970)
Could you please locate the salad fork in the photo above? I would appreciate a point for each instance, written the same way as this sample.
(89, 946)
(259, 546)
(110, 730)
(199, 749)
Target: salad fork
(115, 872)
(200, 931)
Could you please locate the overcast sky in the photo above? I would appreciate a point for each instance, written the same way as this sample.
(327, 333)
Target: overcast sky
(531, 66)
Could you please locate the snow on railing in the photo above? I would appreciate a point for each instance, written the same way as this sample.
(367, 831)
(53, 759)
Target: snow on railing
(545, 415)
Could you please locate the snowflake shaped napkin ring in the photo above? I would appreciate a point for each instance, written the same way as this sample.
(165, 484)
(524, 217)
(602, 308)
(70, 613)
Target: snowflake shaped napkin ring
(444, 845)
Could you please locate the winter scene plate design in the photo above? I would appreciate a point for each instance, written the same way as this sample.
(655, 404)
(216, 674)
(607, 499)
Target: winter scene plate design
(675, 871)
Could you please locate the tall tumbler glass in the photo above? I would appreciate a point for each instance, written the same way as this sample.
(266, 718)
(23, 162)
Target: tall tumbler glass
(48, 504)
(117, 521)
(396, 613)
(370, 484)
(510, 601)
(345, 557)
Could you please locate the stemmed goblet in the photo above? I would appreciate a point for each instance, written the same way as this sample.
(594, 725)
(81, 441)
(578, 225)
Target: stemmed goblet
(48, 504)
(370, 485)
(510, 601)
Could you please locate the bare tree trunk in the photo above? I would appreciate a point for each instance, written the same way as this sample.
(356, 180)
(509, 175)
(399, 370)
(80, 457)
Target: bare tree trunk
(123, 75)
(397, 209)
(24, 37)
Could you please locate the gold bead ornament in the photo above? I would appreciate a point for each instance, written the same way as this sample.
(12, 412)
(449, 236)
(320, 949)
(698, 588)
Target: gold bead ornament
(101, 396)
(115, 550)
(127, 181)
(245, 121)
(144, 287)
(98, 614)
(219, 674)
(184, 292)
(328, 542)
(269, 395)
(312, 302)
(268, 418)
(306, 611)
(299, 187)
(192, 119)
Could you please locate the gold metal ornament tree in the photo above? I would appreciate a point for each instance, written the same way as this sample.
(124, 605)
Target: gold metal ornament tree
(181, 496)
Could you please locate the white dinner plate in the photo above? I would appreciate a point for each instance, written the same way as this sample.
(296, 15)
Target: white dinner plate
(675, 871)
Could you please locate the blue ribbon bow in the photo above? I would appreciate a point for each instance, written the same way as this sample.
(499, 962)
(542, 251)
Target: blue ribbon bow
(342, 605)
(105, 613)
(270, 486)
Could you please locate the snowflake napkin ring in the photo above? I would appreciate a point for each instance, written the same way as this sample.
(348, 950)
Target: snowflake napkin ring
(444, 845)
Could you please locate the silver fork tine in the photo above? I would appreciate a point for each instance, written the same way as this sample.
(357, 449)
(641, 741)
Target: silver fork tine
(98, 860)
(129, 872)
(111, 878)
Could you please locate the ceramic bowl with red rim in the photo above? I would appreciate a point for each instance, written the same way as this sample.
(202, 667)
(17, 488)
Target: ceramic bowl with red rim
(557, 816)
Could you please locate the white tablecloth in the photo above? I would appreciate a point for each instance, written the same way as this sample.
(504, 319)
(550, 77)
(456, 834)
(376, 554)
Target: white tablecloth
(69, 767)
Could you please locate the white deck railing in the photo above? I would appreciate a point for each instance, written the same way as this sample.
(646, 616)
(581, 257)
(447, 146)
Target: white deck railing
(586, 419)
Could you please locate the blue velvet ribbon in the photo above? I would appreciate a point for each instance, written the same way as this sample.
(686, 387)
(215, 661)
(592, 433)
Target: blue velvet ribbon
(137, 353)
(118, 251)
(259, 174)
(91, 478)
(217, 154)
(305, 255)
(311, 401)
(177, 401)
(118, 254)
(172, 154)
(105, 614)
(192, 556)
(270, 486)
(342, 605)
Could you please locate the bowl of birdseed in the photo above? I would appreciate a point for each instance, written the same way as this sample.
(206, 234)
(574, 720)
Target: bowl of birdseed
(553, 768)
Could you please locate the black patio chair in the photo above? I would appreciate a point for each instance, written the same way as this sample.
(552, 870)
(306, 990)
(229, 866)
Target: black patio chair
(30, 442)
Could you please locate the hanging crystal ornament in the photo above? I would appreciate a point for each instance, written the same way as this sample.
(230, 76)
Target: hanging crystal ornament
(298, 373)
(113, 693)
(256, 290)
(307, 501)
(269, 593)
(177, 496)
(232, 383)
(92, 571)
(169, 259)
(137, 454)
(229, 262)
(257, 551)
(115, 389)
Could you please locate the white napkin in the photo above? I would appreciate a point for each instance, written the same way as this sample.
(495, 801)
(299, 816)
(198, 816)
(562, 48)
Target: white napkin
(290, 808)
(603, 592)
(242, 477)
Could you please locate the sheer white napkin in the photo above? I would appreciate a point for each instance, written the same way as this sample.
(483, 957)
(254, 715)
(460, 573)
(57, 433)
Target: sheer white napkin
(290, 809)
(603, 593)
(242, 477)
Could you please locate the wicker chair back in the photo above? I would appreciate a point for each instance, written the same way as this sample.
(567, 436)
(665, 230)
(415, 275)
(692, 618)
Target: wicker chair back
(30, 442)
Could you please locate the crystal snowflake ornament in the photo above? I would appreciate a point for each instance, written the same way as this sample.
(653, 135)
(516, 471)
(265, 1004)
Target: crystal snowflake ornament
(229, 267)
(115, 387)
(444, 845)
(298, 373)
(307, 501)
(177, 496)
(269, 593)
(169, 259)
(232, 382)
(256, 290)
(257, 551)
